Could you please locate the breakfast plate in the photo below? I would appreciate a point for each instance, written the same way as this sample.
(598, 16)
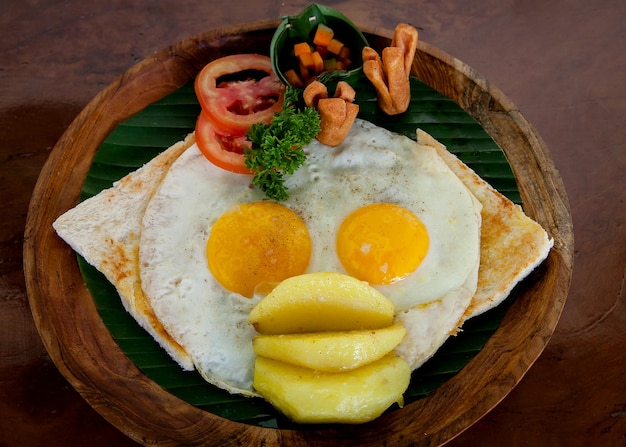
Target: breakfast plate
(138, 392)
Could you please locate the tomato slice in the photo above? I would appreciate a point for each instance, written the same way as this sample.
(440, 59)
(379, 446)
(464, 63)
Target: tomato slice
(234, 105)
(221, 149)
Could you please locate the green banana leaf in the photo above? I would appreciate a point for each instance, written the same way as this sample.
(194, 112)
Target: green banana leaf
(138, 139)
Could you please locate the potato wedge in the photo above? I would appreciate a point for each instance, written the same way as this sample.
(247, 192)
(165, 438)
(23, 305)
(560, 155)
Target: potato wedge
(351, 397)
(321, 301)
(331, 351)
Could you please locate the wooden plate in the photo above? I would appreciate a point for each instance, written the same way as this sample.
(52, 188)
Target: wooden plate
(86, 354)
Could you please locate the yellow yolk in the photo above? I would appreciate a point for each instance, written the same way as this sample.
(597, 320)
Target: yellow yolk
(257, 242)
(381, 243)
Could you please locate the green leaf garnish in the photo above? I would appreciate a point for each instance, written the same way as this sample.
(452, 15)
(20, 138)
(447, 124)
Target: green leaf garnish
(277, 148)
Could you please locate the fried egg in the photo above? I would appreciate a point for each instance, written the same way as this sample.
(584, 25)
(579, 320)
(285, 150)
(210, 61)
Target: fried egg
(378, 207)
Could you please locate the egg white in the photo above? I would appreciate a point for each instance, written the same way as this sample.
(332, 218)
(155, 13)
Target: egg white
(372, 165)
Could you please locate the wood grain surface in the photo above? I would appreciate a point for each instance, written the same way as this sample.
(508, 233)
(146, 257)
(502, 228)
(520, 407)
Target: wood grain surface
(87, 356)
(561, 63)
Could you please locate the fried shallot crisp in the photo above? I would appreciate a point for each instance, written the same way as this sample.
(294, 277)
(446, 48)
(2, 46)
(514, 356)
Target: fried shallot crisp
(337, 114)
(390, 74)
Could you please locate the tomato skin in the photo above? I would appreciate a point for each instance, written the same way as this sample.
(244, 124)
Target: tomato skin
(235, 106)
(221, 149)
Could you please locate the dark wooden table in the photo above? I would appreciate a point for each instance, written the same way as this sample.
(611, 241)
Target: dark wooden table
(562, 63)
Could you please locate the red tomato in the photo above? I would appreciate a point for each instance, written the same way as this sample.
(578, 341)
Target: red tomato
(234, 105)
(223, 150)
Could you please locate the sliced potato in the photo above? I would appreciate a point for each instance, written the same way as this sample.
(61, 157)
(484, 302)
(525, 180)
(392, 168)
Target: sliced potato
(321, 301)
(331, 351)
(310, 397)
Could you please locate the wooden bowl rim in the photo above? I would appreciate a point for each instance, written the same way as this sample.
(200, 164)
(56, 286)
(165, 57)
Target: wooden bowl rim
(77, 340)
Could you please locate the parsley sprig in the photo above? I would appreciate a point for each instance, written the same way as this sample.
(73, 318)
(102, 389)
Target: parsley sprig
(277, 147)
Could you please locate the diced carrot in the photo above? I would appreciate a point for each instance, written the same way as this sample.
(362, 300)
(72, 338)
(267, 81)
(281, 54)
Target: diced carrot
(344, 53)
(325, 54)
(323, 35)
(293, 78)
(318, 62)
(322, 50)
(302, 47)
(304, 72)
(307, 60)
(335, 46)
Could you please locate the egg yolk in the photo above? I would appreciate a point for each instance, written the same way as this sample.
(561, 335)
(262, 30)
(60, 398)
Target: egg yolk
(381, 243)
(257, 242)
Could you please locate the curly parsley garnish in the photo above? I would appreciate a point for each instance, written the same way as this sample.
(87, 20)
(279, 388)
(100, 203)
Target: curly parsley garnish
(277, 148)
